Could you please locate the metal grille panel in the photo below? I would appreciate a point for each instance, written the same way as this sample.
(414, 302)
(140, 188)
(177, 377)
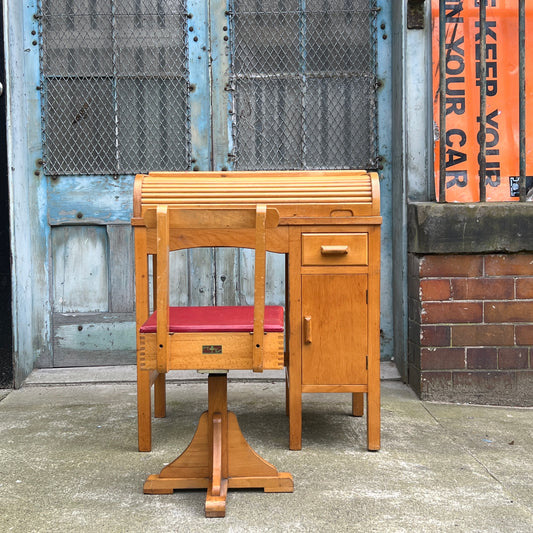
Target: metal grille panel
(115, 86)
(304, 84)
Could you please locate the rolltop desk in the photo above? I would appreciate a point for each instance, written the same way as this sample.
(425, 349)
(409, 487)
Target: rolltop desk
(329, 229)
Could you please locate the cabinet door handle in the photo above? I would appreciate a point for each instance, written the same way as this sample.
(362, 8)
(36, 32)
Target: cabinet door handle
(308, 337)
(334, 250)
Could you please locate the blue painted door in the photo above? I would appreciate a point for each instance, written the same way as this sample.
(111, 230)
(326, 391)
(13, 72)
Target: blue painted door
(137, 85)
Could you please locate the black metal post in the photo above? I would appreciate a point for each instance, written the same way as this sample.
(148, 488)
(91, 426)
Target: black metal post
(442, 101)
(482, 139)
(522, 94)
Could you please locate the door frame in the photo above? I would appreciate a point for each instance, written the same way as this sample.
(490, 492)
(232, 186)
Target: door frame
(27, 189)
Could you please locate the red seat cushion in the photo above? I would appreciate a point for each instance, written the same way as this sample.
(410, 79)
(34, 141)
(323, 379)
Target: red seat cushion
(216, 319)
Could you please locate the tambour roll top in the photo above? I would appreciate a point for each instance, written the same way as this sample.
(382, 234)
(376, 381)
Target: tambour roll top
(297, 196)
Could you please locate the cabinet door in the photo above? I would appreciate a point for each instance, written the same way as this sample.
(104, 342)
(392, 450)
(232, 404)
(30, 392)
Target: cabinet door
(334, 343)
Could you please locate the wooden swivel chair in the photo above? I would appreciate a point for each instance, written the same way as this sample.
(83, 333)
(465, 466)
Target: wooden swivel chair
(214, 339)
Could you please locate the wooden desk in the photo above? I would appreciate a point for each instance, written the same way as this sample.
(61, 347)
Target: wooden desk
(329, 228)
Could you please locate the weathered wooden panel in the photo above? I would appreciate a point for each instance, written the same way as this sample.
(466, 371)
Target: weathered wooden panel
(219, 53)
(246, 277)
(202, 278)
(275, 279)
(80, 269)
(89, 200)
(94, 340)
(121, 269)
(29, 231)
(199, 77)
(221, 277)
(86, 257)
(179, 279)
(226, 276)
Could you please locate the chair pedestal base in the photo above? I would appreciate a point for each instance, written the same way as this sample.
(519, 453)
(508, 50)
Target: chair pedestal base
(218, 458)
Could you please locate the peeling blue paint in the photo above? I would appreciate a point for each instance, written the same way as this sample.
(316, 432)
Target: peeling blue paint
(97, 337)
(30, 232)
(71, 200)
(199, 84)
(383, 34)
(220, 90)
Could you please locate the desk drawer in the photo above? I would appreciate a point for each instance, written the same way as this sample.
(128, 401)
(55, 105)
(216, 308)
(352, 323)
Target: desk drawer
(335, 249)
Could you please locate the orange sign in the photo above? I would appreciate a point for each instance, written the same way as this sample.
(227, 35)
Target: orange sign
(463, 99)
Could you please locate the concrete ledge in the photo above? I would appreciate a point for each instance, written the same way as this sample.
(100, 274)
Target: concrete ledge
(127, 374)
(480, 387)
(435, 228)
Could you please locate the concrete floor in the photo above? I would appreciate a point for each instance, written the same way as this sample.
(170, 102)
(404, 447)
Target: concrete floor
(68, 462)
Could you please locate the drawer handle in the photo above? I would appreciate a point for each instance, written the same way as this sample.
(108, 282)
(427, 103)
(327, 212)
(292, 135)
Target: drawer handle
(308, 337)
(334, 250)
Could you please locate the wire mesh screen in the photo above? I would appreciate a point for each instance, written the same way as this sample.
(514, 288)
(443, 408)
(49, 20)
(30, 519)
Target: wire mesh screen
(304, 84)
(115, 86)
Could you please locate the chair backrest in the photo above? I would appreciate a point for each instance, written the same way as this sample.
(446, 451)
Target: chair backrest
(243, 227)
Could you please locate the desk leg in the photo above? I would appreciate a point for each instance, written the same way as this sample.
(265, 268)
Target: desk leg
(144, 411)
(358, 403)
(287, 396)
(295, 411)
(293, 286)
(160, 396)
(373, 417)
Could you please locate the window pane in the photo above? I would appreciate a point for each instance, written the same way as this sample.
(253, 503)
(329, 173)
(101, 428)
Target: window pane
(115, 86)
(304, 80)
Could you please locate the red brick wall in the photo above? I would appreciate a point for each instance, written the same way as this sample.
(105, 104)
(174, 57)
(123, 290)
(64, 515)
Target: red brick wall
(471, 328)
